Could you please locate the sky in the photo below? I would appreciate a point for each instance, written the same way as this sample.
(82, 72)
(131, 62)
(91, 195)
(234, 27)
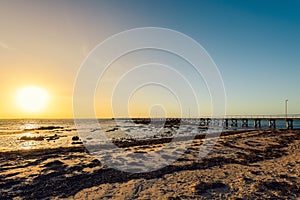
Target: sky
(255, 45)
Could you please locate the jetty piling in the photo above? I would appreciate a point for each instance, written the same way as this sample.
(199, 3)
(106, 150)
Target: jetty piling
(234, 123)
(245, 123)
(229, 121)
(257, 123)
(272, 123)
(289, 124)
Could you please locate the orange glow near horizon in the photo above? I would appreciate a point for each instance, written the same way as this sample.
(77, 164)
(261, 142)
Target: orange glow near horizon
(32, 99)
(35, 100)
(46, 50)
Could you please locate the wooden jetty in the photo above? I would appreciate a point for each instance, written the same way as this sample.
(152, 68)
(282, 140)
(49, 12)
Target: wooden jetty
(234, 121)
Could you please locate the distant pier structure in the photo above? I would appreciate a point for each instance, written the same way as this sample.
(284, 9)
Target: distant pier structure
(235, 121)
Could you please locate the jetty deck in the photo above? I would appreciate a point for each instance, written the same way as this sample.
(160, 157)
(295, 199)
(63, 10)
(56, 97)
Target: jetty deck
(234, 121)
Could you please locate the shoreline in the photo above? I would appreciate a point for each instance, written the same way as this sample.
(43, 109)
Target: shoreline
(247, 164)
(131, 142)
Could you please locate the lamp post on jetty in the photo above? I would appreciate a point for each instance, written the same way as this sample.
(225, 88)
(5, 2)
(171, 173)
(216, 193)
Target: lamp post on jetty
(288, 121)
(286, 108)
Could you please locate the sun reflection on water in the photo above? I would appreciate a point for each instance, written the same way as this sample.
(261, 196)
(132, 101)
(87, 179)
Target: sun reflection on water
(31, 136)
(29, 126)
(30, 140)
(29, 144)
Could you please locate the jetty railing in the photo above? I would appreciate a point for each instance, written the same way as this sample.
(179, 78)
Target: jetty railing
(228, 121)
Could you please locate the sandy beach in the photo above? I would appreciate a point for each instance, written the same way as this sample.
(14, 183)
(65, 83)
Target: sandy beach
(247, 165)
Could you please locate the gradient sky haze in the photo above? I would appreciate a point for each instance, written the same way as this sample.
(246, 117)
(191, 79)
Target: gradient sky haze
(255, 44)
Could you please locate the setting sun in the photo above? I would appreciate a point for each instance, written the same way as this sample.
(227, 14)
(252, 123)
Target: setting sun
(32, 98)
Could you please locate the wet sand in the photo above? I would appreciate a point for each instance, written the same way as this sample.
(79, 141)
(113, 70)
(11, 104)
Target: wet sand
(245, 164)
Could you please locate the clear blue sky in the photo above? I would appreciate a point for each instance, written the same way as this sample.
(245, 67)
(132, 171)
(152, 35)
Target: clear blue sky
(255, 44)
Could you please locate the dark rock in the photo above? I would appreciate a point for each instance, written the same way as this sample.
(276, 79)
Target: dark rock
(75, 138)
(77, 142)
(50, 127)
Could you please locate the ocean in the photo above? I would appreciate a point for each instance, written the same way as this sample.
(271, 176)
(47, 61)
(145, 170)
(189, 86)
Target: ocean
(18, 134)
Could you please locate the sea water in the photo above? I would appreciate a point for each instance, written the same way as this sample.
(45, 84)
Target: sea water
(18, 134)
